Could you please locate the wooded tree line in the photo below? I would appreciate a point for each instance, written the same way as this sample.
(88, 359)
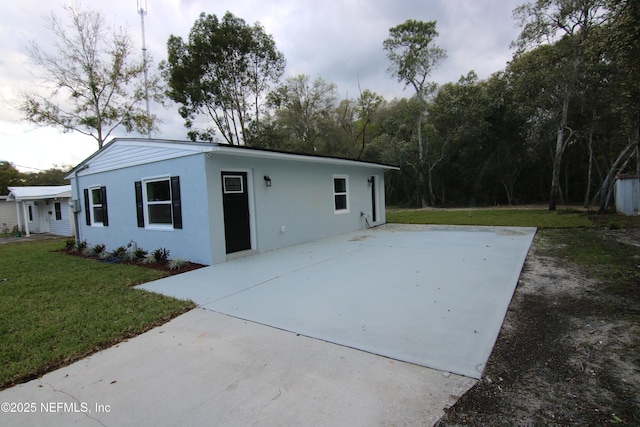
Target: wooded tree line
(557, 124)
(12, 177)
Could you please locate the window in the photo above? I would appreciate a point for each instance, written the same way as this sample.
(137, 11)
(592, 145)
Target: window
(30, 213)
(158, 198)
(95, 205)
(158, 203)
(341, 194)
(57, 207)
(233, 184)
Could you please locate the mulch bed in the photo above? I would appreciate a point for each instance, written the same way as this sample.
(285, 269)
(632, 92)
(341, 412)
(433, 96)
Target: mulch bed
(164, 267)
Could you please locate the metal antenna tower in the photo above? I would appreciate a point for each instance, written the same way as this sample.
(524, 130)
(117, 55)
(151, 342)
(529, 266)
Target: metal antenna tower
(142, 10)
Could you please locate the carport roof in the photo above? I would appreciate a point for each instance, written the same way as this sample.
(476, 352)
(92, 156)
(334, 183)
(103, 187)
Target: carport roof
(19, 194)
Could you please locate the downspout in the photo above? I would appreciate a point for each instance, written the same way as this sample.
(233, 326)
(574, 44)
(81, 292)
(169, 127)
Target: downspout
(77, 211)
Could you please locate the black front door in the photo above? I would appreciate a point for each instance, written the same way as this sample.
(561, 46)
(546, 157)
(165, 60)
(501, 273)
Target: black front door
(235, 200)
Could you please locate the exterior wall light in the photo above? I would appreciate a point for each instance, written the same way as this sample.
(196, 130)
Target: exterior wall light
(267, 181)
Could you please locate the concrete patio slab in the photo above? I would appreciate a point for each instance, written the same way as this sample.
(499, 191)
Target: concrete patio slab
(435, 296)
(206, 368)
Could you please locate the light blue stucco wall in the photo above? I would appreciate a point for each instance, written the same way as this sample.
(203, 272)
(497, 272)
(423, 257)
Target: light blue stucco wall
(300, 199)
(189, 243)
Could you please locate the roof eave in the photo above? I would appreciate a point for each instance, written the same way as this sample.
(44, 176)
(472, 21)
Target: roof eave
(269, 154)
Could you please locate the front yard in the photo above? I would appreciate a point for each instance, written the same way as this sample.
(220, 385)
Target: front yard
(58, 308)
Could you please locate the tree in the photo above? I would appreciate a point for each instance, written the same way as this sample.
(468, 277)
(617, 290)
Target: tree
(356, 118)
(458, 117)
(396, 144)
(9, 177)
(623, 49)
(305, 112)
(95, 85)
(222, 72)
(546, 21)
(413, 55)
(51, 176)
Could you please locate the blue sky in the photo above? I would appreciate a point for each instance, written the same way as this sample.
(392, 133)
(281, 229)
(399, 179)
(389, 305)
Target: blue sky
(338, 40)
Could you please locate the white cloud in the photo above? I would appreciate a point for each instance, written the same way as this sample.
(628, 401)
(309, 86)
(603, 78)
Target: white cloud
(340, 41)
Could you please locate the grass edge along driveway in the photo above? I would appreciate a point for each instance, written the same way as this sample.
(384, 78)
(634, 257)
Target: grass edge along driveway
(56, 308)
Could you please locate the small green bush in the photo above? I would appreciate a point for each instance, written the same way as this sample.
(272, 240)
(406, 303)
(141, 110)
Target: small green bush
(160, 255)
(98, 249)
(119, 253)
(177, 264)
(139, 254)
(81, 246)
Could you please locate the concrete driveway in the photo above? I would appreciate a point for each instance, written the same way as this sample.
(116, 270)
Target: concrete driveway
(435, 296)
(425, 297)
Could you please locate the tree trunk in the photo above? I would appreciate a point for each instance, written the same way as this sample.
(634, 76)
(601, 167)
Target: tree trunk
(607, 185)
(421, 183)
(590, 170)
(555, 174)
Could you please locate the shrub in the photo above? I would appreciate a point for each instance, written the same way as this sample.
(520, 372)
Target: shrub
(160, 255)
(81, 246)
(119, 253)
(139, 254)
(98, 249)
(177, 264)
(70, 245)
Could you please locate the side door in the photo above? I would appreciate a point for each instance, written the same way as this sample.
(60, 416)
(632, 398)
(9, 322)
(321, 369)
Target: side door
(235, 200)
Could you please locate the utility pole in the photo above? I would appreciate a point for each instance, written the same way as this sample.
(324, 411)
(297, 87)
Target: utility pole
(142, 10)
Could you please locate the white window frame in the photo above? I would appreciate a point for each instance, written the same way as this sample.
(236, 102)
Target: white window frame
(240, 191)
(145, 203)
(94, 223)
(345, 193)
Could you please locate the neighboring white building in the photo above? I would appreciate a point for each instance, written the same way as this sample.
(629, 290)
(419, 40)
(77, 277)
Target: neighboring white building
(627, 194)
(42, 209)
(205, 201)
(8, 217)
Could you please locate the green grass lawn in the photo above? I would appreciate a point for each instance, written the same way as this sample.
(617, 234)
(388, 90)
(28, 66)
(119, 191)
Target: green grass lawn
(56, 308)
(540, 218)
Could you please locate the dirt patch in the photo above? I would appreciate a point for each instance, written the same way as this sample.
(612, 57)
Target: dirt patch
(568, 353)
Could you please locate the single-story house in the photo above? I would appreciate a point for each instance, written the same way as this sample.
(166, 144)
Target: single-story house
(42, 209)
(627, 194)
(208, 202)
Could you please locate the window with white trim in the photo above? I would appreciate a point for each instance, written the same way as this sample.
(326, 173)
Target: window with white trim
(341, 193)
(57, 207)
(158, 202)
(95, 205)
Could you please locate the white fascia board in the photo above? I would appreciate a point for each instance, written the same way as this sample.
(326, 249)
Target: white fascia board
(188, 147)
(265, 154)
